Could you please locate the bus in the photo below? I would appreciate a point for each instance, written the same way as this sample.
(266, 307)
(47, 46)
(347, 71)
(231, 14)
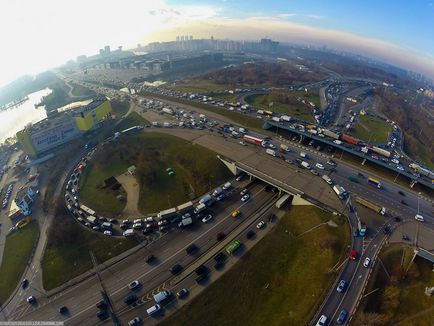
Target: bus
(374, 182)
(233, 247)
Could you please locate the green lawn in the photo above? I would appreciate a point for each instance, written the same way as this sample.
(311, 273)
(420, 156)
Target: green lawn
(372, 129)
(281, 281)
(231, 98)
(133, 119)
(400, 300)
(79, 90)
(67, 253)
(286, 102)
(197, 170)
(18, 249)
(119, 108)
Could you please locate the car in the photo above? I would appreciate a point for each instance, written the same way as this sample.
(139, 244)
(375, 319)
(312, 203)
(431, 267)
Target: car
(31, 300)
(207, 218)
(63, 310)
(401, 193)
(331, 162)
(235, 213)
(240, 177)
(102, 314)
(191, 249)
(176, 269)
(124, 226)
(182, 293)
(405, 237)
(250, 234)
(102, 305)
(201, 278)
(149, 259)
(149, 219)
(314, 172)
(107, 232)
(342, 316)
(135, 322)
(95, 228)
(322, 321)
(260, 225)
(132, 298)
(341, 286)
(399, 167)
(24, 283)
(163, 222)
(319, 166)
(245, 198)
(367, 262)
(353, 255)
(220, 236)
(134, 285)
(243, 143)
(220, 197)
(243, 192)
(202, 269)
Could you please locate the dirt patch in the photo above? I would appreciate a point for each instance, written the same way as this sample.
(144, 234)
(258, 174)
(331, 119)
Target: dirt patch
(131, 186)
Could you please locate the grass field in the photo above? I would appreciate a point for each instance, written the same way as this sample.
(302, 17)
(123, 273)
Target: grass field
(67, 253)
(281, 281)
(197, 170)
(18, 249)
(231, 98)
(133, 119)
(79, 90)
(286, 102)
(400, 299)
(372, 129)
(198, 86)
(119, 108)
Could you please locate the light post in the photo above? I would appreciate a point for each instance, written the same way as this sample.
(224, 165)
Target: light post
(418, 199)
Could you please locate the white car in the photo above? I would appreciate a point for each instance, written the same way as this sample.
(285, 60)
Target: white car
(245, 198)
(207, 218)
(260, 225)
(270, 145)
(367, 262)
(107, 232)
(419, 218)
(243, 143)
(321, 321)
(319, 166)
(134, 285)
(243, 192)
(31, 300)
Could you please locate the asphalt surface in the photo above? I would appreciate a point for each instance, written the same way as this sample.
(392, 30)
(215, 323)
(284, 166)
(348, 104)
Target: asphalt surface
(169, 249)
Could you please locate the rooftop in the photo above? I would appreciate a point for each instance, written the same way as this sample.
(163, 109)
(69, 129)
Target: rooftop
(91, 106)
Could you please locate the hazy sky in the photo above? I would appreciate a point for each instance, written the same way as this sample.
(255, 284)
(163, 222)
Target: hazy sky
(36, 35)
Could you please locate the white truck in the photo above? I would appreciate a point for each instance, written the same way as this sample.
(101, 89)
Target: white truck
(327, 179)
(340, 191)
(304, 155)
(161, 296)
(270, 151)
(284, 148)
(305, 165)
(185, 222)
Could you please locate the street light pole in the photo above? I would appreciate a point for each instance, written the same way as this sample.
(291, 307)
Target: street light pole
(418, 199)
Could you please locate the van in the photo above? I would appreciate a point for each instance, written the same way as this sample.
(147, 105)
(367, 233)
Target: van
(419, 218)
(321, 321)
(303, 154)
(327, 179)
(153, 310)
(161, 296)
(106, 225)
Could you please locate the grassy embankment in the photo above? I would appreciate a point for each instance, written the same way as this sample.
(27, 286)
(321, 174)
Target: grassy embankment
(197, 170)
(198, 86)
(18, 249)
(67, 253)
(119, 108)
(133, 119)
(372, 129)
(281, 281)
(398, 299)
(287, 102)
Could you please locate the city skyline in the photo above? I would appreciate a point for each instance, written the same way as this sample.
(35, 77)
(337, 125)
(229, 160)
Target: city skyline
(384, 31)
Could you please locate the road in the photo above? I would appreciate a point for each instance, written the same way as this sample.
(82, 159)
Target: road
(169, 250)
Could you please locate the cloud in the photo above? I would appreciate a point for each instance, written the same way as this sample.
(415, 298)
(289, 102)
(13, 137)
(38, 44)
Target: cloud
(314, 16)
(286, 15)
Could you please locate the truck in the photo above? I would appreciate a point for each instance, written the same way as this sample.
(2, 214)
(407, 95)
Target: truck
(330, 134)
(199, 208)
(381, 151)
(340, 191)
(271, 152)
(253, 140)
(161, 296)
(283, 200)
(379, 209)
(349, 139)
(305, 165)
(185, 222)
(304, 155)
(185, 207)
(374, 182)
(327, 179)
(166, 213)
(284, 148)
(207, 200)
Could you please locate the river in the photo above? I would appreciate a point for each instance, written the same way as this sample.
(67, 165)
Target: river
(16, 118)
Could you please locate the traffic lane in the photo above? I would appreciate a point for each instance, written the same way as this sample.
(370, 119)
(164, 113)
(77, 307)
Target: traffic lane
(189, 281)
(121, 278)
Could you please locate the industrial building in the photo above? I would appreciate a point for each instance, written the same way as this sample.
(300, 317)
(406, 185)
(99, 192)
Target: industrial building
(63, 127)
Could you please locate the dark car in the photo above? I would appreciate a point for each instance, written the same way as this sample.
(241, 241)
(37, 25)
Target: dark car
(102, 314)
(63, 310)
(102, 305)
(202, 269)
(182, 293)
(191, 249)
(221, 236)
(201, 278)
(404, 202)
(401, 193)
(250, 234)
(342, 316)
(176, 269)
(132, 298)
(24, 283)
(149, 259)
(220, 256)
(397, 219)
(218, 265)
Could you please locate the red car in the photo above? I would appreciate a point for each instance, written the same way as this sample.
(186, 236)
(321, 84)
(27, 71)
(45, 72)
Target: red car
(353, 255)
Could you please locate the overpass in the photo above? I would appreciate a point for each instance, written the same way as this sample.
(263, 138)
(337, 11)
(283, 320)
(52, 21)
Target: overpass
(286, 127)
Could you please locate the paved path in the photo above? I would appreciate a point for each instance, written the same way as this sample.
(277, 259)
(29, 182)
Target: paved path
(131, 186)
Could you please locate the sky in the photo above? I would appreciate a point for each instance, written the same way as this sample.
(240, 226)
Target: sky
(37, 35)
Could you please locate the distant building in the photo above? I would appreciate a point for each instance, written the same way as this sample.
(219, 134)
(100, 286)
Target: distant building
(107, 49)
(63, 127)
